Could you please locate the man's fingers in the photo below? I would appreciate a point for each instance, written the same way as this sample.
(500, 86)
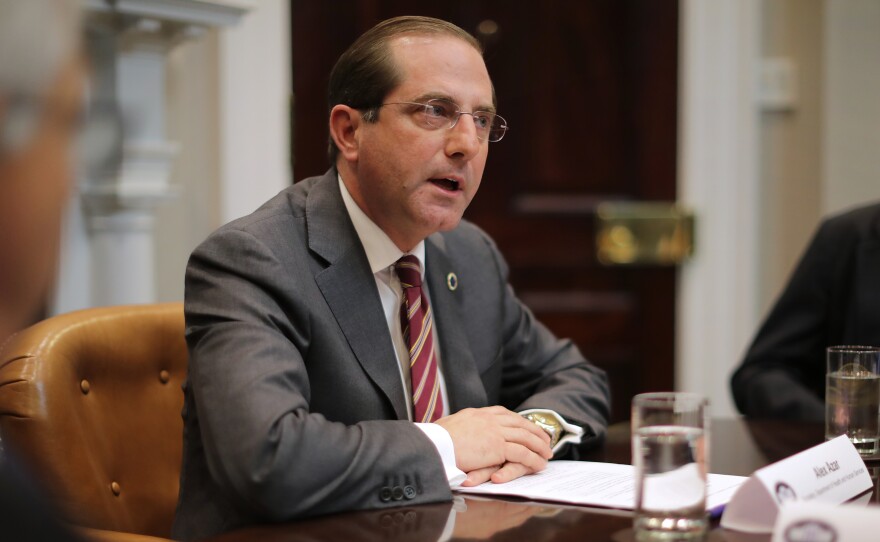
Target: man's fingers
(500, 474)
(478, 476)
(528, 439)
(508, 472)
(517, 453)
(483, 437)
(513, 420)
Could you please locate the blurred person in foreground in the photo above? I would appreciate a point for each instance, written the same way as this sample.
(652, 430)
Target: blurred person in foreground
(42, 79)
(353, 343)
(41, 102)
(832, 298)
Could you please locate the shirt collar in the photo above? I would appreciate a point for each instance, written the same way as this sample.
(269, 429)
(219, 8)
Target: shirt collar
(381, 250)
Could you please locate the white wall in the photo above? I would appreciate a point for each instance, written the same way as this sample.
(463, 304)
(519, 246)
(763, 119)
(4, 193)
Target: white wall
(718, 179)
(790, 150)
(852, 106)
(228, 94)
(192, 120)
(255, 89)
(762, 181)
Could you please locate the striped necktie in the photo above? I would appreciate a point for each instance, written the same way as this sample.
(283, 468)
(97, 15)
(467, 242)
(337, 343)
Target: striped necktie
(417, 323)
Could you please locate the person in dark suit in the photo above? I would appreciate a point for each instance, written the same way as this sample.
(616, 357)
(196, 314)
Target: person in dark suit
(353, 343)
(832, 298)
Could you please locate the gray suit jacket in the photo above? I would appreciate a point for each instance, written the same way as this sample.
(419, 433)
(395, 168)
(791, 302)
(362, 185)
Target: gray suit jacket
(294, 404)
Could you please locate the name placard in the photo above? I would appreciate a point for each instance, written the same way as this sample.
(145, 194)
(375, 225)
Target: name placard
(807, 521)
(832, 472)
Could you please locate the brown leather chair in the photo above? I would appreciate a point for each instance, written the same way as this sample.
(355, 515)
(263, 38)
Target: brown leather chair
(92, 400)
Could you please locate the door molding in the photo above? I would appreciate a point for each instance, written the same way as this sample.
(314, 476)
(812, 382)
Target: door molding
(717, 309)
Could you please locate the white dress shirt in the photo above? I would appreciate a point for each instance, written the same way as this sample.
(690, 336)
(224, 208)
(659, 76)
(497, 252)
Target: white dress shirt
(382, 254)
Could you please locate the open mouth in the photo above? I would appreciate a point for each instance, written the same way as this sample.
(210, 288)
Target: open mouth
(449, 185)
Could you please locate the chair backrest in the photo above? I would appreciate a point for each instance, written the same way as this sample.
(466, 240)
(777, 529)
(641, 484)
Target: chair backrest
(92, 399)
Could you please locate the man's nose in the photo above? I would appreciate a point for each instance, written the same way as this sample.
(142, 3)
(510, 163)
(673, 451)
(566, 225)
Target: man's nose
(462, 139)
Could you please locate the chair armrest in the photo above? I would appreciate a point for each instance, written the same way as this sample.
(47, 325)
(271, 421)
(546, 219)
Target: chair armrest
(100, 535)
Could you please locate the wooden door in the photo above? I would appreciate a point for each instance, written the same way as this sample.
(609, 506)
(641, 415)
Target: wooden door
(589, 90)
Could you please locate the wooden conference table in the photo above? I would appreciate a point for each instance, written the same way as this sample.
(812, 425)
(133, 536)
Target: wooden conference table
(737, 447)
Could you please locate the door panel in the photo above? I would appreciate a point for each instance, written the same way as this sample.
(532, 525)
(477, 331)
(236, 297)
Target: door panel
(589, 90)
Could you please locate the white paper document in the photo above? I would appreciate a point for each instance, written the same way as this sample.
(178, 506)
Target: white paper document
(594, 484)
(674, 490)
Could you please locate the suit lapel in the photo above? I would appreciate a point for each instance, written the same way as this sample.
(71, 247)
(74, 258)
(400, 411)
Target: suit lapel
(350, 289)
(463, 383)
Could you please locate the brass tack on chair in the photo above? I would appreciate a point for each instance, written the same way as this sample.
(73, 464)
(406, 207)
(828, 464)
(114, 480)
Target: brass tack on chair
(114, 487)
(164, 376)
(85, 386)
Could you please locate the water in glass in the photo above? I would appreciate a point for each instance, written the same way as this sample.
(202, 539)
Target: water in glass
(671, 501)
(852, 408)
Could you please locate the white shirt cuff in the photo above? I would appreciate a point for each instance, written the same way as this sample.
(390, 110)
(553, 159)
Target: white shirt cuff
(443, 442)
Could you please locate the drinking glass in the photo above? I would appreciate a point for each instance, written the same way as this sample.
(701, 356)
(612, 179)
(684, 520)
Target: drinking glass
(852, 396)
(670, 434)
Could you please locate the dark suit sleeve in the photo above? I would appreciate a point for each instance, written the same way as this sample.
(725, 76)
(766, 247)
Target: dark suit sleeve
(783, 373)
(24, 510)
(543, 371)
(249, 392)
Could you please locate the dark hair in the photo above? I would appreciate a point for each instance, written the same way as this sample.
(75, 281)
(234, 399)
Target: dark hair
(365, 73)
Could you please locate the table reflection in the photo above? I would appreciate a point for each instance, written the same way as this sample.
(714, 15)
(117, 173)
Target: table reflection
(416, 524)
(736, 447)
(467, 518)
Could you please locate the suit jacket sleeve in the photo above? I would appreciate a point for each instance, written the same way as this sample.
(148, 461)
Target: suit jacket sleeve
(783, 373)
(543, 371)
(249, 385)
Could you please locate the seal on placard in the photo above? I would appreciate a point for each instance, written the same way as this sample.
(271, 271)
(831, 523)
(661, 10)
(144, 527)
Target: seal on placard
(785, 493)
(810, 530)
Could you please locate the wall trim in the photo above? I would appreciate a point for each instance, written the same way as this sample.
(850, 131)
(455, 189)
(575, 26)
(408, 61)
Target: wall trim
(718, 179)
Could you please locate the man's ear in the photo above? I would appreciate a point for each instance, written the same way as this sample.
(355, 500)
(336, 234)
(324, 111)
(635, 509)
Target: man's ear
(345, 122)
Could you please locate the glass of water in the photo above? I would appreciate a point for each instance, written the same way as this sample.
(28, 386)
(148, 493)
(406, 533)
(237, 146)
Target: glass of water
(852, 396)
(670, 437)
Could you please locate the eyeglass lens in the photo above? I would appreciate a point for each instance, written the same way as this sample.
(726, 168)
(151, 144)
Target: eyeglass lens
(445, 114)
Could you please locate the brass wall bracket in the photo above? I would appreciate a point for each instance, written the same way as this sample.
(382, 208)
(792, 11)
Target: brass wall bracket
(643, 233)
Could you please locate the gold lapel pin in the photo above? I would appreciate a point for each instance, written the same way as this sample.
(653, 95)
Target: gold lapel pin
(451, 282)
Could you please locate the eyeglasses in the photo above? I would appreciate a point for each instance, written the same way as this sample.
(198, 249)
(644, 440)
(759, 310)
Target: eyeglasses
(435, 114)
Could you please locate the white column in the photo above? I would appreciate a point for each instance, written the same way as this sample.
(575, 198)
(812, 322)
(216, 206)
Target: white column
(120, 209)
(255, 89)
(108, 250)
(718, 178)
(123, 256)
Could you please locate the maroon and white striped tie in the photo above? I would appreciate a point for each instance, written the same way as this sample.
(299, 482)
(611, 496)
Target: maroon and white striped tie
(417, 323)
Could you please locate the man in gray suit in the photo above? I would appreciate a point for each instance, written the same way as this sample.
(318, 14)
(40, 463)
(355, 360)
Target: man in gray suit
(324, 374)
